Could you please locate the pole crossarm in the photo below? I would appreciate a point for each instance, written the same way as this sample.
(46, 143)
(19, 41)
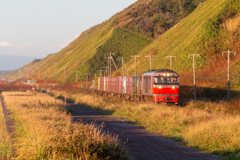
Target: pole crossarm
(193, 55)
(229, 52)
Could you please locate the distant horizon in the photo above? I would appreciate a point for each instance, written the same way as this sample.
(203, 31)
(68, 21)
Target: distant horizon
(20, 61)
(35, 29)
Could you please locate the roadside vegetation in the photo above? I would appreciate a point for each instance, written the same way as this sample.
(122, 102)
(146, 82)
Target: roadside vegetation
(44, 131)
(5, 143)
(209, 126)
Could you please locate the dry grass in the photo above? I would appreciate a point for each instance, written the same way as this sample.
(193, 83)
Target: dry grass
(213, 127)
(45, 131)
(5, 143)
(232, 24)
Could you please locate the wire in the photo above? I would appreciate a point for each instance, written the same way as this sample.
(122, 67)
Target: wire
(234, 75)
(218, 77)
(186, 76)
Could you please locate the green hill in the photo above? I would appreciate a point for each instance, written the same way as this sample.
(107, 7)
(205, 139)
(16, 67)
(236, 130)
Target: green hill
(147, 27)
(126, 33)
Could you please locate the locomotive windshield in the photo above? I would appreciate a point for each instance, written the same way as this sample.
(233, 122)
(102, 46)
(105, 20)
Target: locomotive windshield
(161, 79)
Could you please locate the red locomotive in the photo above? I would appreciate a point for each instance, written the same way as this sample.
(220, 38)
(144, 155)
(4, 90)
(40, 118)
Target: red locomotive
(158, 85)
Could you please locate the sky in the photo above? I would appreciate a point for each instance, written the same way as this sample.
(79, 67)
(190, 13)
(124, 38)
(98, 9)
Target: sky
(32, 29)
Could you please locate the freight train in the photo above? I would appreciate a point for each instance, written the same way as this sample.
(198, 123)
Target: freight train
(156, 85)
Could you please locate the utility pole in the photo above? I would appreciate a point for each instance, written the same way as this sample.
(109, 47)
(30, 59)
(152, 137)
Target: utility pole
(55, 70)
(194, 74)
(38, 72)
(76, 75)
(125, 67)
(46, 72)
(228, 52)
(19, 72)
(150, 56)
(64, 74)
(95, 75)
(106, 70)
(135, 56)
(87, 78)
(110, 64)
(171, 60)
(122, 65)
(101, 72)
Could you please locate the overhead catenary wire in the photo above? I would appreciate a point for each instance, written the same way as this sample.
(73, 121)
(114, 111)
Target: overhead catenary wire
(186, 76)
(234, 76)
(217, 77)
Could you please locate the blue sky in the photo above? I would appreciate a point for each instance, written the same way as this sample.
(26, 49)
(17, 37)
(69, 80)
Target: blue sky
(32, 29)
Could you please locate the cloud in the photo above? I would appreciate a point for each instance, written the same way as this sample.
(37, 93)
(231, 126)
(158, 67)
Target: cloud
(5, 44)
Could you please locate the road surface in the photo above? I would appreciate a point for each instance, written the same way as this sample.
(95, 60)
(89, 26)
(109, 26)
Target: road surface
(141, 144)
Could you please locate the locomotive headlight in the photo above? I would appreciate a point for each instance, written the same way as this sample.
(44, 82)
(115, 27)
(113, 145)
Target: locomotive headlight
(173, 87)
(160, 87)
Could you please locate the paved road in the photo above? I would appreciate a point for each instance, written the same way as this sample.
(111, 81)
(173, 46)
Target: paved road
(141, 144)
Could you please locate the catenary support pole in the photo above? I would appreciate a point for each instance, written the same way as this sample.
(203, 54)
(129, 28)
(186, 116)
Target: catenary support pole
(55, 70)
(110, 63)
(194, 74)
(101, 72)
(228, 52)
(171, 60)
(76, 75)
(106, 71)
(65, 74)
(122, 65)
(135, 56)
(150, 56)
(86, 78)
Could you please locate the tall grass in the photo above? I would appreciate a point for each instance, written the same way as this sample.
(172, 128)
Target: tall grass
(209, 126)
(5, 143)
(233, 23)
(45, 131)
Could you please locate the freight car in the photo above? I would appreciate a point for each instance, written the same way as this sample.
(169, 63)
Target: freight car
(156, 85)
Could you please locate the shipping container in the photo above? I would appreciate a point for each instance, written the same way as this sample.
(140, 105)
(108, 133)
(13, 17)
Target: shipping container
(129, 85)
(101, 83)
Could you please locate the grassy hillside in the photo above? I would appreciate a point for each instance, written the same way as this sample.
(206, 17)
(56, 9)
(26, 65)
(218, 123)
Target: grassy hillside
(212, 28)
(124, 34)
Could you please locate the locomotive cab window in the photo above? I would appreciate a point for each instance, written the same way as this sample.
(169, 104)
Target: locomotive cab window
(160, 80)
